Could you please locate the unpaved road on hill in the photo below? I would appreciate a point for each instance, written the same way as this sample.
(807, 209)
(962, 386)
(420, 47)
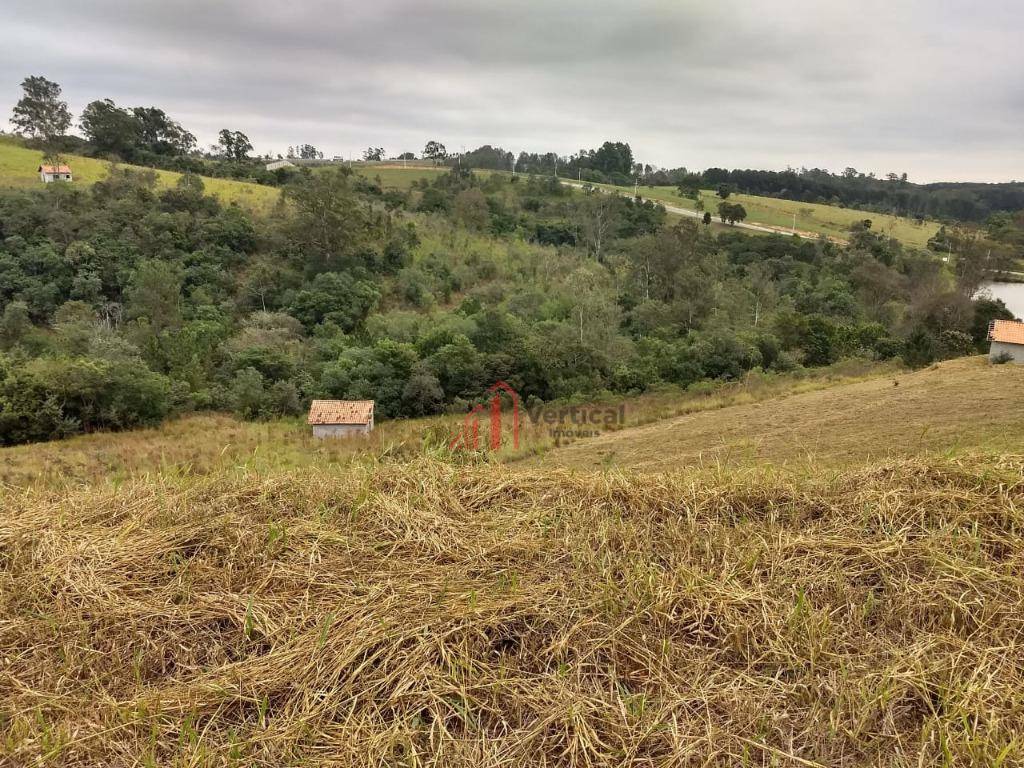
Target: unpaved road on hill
(700, 215)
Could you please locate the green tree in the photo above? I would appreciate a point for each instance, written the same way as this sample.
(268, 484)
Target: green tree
(234, 145)
(613, 157)
(248, 397)
(976, 258)
(595, 314)
(422, 394)
(458, 368)
(471, 209)
(435, 150)
(731, 212)
(110, 129)
(337, 298)
(379, 373)
(57, 396)
(985, 311)
(329, 223)
(40, 112)
(920, 348)
(153, 303)
(154, 295)
(161, 135)
(15, 324)
(597, 215)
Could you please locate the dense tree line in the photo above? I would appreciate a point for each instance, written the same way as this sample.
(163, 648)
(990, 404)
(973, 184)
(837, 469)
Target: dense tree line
(140, 135)
(123, 303)
(613, 163)
(852, 189)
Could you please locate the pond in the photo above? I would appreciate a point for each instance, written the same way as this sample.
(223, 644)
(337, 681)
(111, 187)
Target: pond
(1012, 295)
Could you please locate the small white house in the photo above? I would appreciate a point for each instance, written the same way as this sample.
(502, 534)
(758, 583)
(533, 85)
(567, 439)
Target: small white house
(341, 418)
(48, 173)
(1007, 337)
(280, 164)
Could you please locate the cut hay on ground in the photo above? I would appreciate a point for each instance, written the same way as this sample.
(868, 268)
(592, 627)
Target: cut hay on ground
(428, 615)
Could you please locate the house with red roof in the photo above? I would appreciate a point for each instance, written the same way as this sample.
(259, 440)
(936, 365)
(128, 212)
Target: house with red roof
(48, 173)
(341, 418)
(1007, 337)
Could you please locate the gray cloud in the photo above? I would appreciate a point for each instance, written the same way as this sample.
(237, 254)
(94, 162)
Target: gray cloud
(927, 87)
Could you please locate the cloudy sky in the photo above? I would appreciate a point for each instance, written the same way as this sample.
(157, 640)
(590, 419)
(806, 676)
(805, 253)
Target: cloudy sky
(933, 88)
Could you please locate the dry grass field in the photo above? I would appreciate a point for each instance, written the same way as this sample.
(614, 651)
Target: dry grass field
(219, 593)
(425, 614)
(958, 405)
(205, 444)
(197, 446)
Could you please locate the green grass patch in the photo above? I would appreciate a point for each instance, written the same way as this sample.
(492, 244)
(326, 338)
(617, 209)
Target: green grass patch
(811, 218)
(19, 170)
(396, 175)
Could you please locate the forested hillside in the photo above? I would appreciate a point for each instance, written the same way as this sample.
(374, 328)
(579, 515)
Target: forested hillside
(122, 303)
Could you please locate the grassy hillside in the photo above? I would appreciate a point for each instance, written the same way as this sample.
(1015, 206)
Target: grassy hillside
(953, 406)
(394, 175)
(208, 444)
(197, 446)
(225, 593)
(18, 170)
(811, 218)
(422, 614)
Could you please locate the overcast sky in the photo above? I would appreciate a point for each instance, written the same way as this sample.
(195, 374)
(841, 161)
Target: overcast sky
(930, 87)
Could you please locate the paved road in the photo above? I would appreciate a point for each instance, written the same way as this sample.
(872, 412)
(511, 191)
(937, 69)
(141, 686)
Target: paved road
(700, 215)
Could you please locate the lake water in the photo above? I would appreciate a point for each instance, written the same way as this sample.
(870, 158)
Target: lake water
(1012, 295)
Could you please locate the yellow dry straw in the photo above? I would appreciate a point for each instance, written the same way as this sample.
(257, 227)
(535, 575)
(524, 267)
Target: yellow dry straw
(434, 615)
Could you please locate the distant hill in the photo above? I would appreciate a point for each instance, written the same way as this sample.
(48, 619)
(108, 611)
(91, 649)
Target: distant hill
(18, 166)
(18, 170)
(808, 218)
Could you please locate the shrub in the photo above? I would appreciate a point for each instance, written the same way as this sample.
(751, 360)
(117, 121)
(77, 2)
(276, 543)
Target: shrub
(56, 397)
(919, 349)
(955, 344)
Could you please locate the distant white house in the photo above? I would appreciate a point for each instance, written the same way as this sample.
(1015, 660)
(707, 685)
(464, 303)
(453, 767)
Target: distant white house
(48, 173)
(341, 418)
(1007, 337)
(280, 164)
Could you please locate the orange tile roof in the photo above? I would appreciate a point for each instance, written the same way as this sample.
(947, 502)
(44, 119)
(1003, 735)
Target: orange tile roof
(1009, 331)
(341, 411)
(54, 169)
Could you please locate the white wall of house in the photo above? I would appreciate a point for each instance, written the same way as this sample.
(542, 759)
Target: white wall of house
(48, 177)
(1014, 350)
(320, 431)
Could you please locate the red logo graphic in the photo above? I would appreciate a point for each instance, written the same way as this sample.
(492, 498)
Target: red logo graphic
(468, 438)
